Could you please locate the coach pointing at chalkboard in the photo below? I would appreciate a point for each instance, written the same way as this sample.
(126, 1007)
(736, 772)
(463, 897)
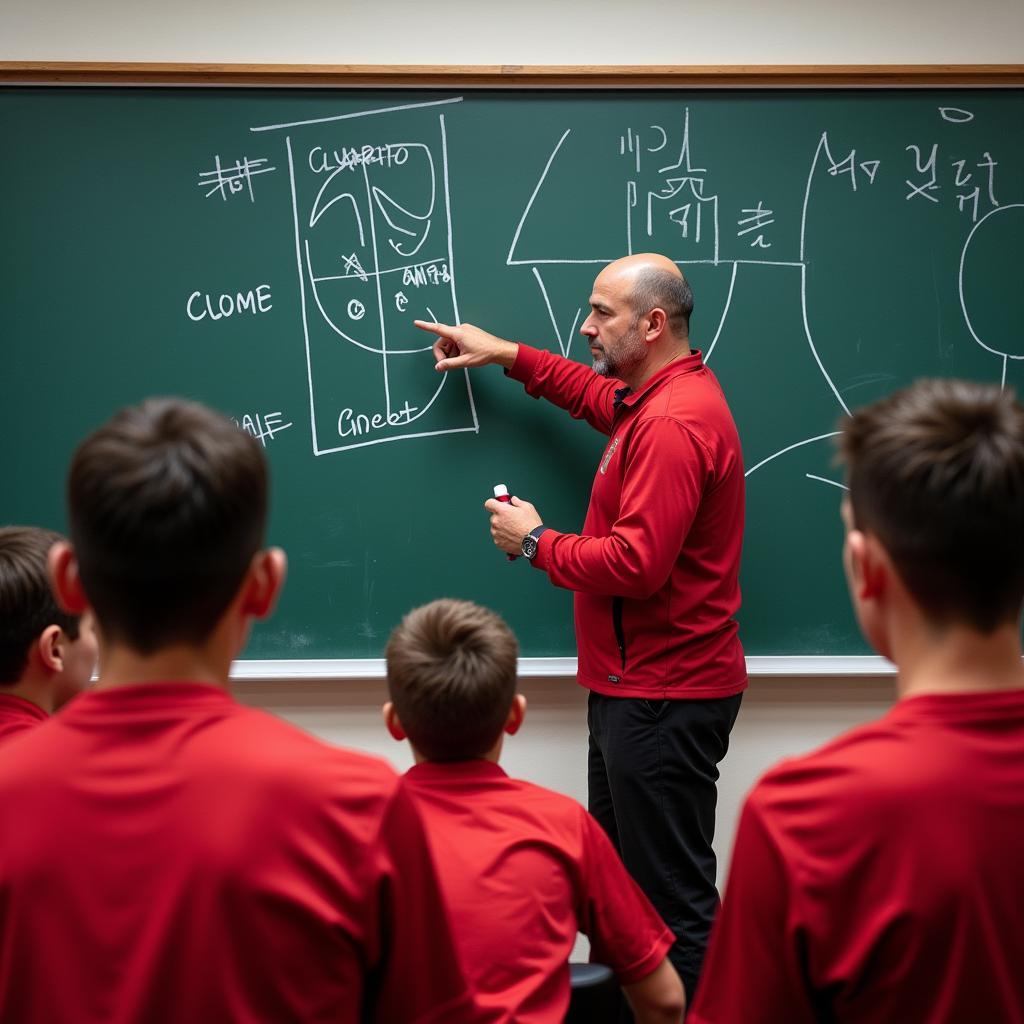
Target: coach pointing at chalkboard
(654, 571)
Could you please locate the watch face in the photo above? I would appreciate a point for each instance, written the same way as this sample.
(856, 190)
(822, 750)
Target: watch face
(529, 546)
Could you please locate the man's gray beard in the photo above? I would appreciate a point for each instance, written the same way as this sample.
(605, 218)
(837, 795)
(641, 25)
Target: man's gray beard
(601, 366)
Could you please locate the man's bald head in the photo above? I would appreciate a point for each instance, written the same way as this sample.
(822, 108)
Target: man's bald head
(649, 281)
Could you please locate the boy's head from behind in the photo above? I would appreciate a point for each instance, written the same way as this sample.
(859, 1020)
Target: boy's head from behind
(452, 680)
(167, 504)
(936, 475)
(39, 642)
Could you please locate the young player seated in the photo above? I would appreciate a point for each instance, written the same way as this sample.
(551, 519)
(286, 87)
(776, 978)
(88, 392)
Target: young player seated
(523, 869)
(46, 655)
(168, 854)
(879, 879)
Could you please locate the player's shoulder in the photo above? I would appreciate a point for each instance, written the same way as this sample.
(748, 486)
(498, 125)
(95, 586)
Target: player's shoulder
(844, 784)
(272, 747)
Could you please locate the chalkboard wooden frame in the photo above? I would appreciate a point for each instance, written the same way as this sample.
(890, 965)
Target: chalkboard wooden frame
(130, 74)
(515, 75)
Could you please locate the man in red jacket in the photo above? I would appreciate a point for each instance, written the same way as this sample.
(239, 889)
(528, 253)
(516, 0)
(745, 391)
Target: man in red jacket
(655, 574)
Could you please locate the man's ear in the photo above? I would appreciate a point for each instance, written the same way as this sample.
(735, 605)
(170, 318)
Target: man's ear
(516, 714)
(64, 578)
(394, 726)
(656, 323)
(50, 647)
(264, 582)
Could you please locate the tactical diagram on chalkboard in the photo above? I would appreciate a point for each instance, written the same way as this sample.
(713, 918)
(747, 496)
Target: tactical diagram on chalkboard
(373, 250)
(737, 234)
(266, 250)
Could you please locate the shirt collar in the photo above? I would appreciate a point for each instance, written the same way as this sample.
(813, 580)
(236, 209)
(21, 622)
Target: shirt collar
(685, 364)
(13, 706)
(149, 698)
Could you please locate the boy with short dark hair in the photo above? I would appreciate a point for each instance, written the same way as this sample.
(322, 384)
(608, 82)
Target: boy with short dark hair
(47, 656)
(879, 878)
(523, 869)
(180, 856)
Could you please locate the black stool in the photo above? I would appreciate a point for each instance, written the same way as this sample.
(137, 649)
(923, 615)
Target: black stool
(594, 997)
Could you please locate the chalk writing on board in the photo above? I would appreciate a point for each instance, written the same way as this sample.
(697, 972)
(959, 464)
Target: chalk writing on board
(998, 232)
(967, 174)
(955, 115)
(263, 426)
(200, 306)
(755, 219)
(231, 179)
(371, 206)
(670, 201)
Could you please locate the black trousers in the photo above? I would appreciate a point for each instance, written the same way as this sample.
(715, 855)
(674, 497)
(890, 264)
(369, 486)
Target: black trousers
(652, 778)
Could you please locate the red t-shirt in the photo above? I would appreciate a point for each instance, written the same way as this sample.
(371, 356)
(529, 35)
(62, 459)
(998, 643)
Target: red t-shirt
(881, 878)
(655, 568)
(171, 855)
(18, 715)
(523, 870)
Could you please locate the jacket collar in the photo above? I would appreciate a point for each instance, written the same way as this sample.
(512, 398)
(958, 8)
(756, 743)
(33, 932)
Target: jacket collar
(685, 364)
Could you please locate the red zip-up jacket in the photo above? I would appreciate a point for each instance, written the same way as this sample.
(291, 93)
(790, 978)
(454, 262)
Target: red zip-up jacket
(656, 569)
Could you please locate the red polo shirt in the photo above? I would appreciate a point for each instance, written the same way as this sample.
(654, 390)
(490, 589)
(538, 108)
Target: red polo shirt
(523, 870)
(655, 568)
(18, 715)
(171, 855)
(881, 878)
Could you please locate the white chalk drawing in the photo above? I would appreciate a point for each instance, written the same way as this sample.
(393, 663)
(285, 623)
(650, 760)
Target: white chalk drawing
(1010, 219)
(232, 179)
(675, 208)
(371, 205)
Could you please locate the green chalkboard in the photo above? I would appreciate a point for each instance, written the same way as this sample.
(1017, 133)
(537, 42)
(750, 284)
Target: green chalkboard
(266, 250)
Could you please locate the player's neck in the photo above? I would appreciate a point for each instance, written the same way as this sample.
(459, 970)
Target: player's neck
(122, 666)
(959, 660)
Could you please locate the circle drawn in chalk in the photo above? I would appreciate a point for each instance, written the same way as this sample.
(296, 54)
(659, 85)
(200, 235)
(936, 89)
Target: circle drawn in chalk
(991, 289)
(356, 310)
(955, 115)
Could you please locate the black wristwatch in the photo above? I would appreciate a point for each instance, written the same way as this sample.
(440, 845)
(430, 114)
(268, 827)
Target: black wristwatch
(530, 544)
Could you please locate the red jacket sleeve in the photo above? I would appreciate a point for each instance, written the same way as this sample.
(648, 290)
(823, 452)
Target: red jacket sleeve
(753, 969)
(625, 931)
(584, 394)
(665, 475)
(418, 979)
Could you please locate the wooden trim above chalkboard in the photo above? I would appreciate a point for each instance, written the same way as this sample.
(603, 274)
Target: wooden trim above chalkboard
(491, 75)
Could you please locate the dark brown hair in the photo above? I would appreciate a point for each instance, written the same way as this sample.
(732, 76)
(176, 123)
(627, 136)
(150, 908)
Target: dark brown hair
(936, 472)
(656, 288)
(452, 677)
(167, 503)
(27, 604)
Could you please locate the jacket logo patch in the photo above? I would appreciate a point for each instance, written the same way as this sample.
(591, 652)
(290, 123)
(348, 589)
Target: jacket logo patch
(608, 455)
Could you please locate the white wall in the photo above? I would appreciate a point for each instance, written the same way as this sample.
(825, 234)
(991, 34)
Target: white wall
(779, 717)
(519, 32)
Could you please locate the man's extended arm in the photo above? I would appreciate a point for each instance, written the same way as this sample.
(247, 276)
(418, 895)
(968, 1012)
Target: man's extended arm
(566, 383)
